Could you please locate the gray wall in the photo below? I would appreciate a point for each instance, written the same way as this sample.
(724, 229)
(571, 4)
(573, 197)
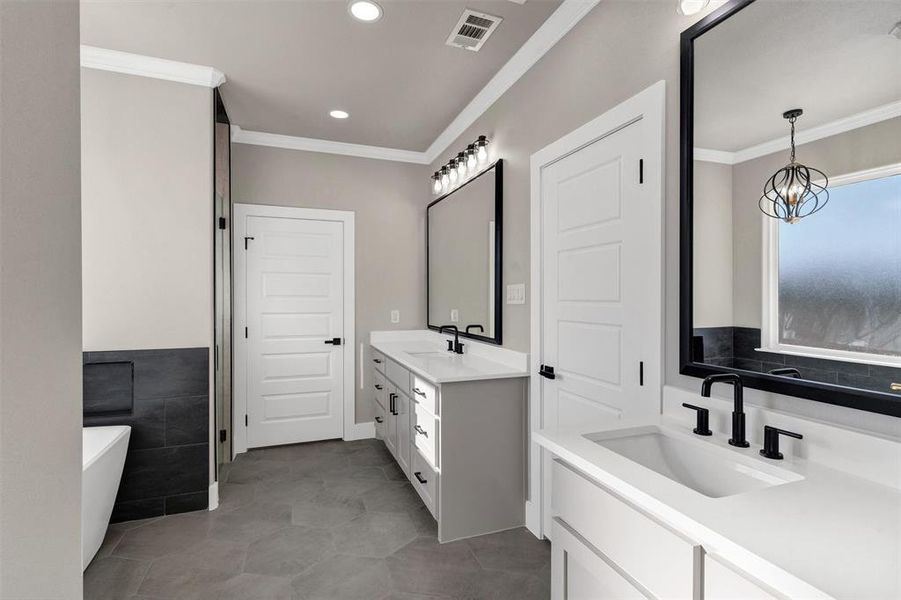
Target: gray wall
(713, 243)
(617, 50)
(873, 146)
(387, 199)
(40, 302)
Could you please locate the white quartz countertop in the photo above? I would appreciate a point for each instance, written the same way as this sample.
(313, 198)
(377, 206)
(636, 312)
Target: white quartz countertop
(830, 534)
(430, 359)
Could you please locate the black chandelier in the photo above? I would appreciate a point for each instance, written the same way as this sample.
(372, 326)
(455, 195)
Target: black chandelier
(795, 191)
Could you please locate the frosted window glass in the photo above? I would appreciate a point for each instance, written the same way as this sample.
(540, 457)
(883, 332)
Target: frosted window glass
(840, 271)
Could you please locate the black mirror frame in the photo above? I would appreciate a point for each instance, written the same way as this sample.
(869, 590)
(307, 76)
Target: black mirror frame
(498, 167)
(870, 401)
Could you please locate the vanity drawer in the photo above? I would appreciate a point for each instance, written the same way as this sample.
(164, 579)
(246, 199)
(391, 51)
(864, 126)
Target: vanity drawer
(425, 481)
(425, 433)
(426, 394)
(662, 561)
(724, 582)
(380, 421)
(380, 390)
(398, 375)
(378, 361)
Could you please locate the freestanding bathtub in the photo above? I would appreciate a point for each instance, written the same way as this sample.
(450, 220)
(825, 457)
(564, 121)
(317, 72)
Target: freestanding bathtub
(102, 459)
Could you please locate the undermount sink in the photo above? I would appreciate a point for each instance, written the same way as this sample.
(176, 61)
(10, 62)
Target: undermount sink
(692, 463)
(432, 354)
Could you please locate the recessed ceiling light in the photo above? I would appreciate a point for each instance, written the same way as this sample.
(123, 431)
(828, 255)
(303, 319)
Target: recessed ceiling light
(691, 7)
(338, 114)
(365, 10)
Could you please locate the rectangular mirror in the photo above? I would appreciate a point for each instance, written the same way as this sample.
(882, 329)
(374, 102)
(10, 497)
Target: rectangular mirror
(464, 257)
(791, 199)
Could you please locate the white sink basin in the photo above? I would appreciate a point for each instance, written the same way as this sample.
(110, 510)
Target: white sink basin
(693, 463)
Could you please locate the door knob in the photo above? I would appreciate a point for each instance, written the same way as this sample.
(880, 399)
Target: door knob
(334, 341)
(547, 372)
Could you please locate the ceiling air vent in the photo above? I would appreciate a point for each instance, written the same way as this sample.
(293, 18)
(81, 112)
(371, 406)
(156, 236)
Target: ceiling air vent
(472, 30)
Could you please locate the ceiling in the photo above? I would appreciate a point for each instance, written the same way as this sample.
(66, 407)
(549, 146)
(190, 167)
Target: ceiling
(289, 62)
(833, 58)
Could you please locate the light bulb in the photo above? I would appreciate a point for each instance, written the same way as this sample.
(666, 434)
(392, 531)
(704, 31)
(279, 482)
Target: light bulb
(453, 173)
(471, 161)
(436, 185)
(461, 170)
(445, 179)
(482, 154)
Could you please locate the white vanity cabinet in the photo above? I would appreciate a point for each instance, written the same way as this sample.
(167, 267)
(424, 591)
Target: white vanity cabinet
(460, 443)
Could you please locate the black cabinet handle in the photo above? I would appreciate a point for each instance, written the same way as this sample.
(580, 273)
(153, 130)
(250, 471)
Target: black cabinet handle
(377, 361)
(378, 419)
(547, 372)
(703, 423)
(393, 405)
(378, 387)
(421, 431)
(334, 341)
(419, 477)
(419, 392)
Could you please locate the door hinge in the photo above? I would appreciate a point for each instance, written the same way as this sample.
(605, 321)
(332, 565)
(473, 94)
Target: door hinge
(246, 239)
(641, 170)
(221, 222)
(245, 420)
(641, 373)
(223, 435)
(245, 333)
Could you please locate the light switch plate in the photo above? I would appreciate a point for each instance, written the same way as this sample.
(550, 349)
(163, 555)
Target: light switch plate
(395, 316)
(516, 293)
(455, 315)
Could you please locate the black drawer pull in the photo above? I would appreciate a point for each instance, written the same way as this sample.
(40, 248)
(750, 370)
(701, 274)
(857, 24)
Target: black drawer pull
(419, 392)
(378, 387)
(378, 419)
(419, 478)
(377, 361)
(421, 431)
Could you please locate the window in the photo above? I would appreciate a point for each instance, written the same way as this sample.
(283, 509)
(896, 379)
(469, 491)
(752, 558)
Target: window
(832, 282)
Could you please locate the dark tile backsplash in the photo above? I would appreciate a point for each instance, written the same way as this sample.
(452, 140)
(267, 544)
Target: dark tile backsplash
(163, 395)
(736, 347)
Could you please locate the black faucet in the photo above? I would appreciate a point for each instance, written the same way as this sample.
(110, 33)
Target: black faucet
(453, 346)
(786, 372)
(738, 411)
(479, 327)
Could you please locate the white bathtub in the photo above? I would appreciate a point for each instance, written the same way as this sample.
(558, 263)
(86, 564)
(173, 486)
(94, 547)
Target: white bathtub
(102, 459)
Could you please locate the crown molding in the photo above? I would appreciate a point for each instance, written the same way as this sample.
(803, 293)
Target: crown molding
(855, 121)
(148, 66)
(545, 37)
(290, 142)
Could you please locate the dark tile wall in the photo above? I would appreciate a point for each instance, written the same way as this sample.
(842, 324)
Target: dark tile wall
(736, 347)
(164, 396)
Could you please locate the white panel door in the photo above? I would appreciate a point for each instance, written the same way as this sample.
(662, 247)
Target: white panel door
(295, 308)
(601, 282)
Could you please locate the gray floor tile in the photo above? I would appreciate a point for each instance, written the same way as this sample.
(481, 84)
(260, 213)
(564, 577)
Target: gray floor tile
(349, 489)
(513, 550)
(288, 491)
(326, 514)
(344, 578)
(426, 567)
(266, 510)
(424, 522)
(248, 586)
(242, 527)
(394, 472)
(397, 497)
(113, 578)
(235, 495)
(506, 585)
(288, 551)
(164, 536)
(171, 578)
(374, 534)
(249, 471)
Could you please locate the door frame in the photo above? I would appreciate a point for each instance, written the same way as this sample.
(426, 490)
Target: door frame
(648, 105)
(351, 429)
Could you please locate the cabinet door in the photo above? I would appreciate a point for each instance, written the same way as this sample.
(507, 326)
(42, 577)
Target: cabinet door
(579, 572)
(391, 419)
(402, 407)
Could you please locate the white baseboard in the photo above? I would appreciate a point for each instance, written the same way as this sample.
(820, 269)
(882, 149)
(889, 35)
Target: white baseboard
(360, 431)
(214, 495)
(533, 518)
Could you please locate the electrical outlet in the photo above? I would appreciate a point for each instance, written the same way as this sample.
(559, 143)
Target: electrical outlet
(395, 316)
(516, 293)
(455, 315)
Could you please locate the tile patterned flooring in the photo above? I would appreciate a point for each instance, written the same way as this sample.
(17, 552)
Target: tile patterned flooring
(322, 521)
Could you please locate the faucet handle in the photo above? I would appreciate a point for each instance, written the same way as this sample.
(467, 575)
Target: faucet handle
(703, 424)
(450, 345)
(771, 441)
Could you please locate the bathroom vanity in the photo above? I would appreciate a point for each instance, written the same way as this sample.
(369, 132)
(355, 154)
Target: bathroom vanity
(456, 425)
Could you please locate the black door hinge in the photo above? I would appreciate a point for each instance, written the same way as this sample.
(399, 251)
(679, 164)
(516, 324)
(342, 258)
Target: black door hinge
(641, 373)
(221, 222)
(641, 170)
(246, 238)
(223, 435)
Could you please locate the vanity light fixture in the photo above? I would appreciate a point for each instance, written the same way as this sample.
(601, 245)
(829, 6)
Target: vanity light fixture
(691, 7)
(795, 191)
(365, 10)
(465, 163)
